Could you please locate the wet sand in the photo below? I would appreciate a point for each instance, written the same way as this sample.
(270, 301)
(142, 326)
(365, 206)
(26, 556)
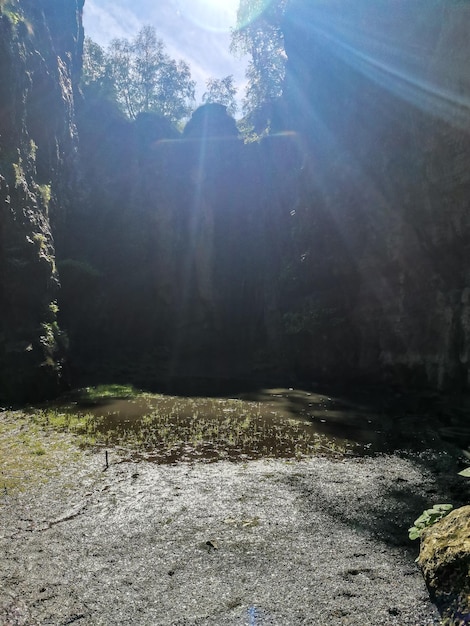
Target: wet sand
(265, 542)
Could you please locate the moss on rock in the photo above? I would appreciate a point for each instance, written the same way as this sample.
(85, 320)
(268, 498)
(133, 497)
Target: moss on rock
(444, 559)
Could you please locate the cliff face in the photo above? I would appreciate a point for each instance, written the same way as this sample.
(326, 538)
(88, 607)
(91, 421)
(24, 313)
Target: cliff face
(165, 272)
(338, 247)
(379, 99)
(40, 56)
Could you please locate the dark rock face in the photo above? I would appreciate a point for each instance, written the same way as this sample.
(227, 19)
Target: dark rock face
(173, 261)
(210, 121)
(40, 55)
(167, 229)
(377, 98)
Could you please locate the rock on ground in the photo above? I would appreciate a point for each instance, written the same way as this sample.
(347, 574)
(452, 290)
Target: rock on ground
(445, 562)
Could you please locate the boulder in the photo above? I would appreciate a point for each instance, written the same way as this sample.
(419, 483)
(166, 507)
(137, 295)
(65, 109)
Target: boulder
(444, 560)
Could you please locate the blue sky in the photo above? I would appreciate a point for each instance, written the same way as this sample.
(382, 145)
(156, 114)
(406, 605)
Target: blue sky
(197, 31)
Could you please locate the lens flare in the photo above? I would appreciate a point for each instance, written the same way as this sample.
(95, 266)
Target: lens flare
(212, 15)
(250, 11)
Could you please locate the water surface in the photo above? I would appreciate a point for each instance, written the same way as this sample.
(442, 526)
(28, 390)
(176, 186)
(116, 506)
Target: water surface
(266, 423)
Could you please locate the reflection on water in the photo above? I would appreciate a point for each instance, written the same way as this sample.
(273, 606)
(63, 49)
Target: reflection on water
(272, 423)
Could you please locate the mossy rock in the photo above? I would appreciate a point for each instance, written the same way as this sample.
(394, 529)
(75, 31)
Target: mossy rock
(444, 560)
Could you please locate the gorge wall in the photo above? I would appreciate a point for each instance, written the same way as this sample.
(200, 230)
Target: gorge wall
(40, 57)
(172, 268)
(380, 97)
(336, 248)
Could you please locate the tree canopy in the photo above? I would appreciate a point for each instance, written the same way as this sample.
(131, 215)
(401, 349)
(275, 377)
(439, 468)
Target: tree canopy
(140, 76)
(258, 34)
(221, 91)
(96, 71)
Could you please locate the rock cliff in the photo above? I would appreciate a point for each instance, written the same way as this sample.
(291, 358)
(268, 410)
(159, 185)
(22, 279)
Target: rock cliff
(40, 58)
(379, 100)
(337, 247)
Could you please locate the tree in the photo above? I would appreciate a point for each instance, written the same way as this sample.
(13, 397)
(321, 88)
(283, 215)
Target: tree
(221, 91)
(96, 72)
(142, 76)
(258, 34)
(120, 62)
(176, 91)
(147, 79)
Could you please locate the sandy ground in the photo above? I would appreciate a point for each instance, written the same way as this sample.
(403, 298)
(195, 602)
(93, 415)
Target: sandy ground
(280, 543)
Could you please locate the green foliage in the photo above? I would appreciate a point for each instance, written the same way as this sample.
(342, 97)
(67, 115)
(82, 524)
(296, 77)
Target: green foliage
(431, 516)
(221, 91)
(30, 453)
(259, 35)
(139, 75)
(11, 9)
(32, 150)
(19, 173)
(43, 248)
(109, 391)
(96, 80)
(428, 518)
(172, 427)
(46, 194)
(49, 332)
(52, 338)
(41, 242)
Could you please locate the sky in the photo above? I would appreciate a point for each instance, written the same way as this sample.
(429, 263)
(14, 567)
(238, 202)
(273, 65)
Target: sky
(197, 31)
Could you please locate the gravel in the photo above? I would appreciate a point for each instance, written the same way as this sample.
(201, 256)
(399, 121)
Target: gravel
(277, 543)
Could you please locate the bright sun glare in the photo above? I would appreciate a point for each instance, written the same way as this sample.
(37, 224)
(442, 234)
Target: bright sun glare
(214, 15)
